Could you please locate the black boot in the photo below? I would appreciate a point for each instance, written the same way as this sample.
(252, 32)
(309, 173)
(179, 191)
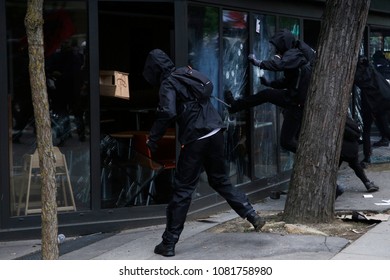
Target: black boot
(255, 220)
(371, 187)
(165, 249)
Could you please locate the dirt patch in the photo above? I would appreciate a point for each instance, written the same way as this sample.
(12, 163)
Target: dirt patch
(343, 226)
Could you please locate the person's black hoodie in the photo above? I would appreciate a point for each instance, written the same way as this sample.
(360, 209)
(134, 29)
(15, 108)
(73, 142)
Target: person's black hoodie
(176, 103)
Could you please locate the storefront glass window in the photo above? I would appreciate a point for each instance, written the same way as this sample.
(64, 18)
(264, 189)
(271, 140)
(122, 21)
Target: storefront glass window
(130, 174)
(203, 54)
(67, 72)
(235, 78)
(265, 116)
(291, 24)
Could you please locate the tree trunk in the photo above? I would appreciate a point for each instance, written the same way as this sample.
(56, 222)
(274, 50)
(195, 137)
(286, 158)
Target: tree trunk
(34, 28)
(312, 187)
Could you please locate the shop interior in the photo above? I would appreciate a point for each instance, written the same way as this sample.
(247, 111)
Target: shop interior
(127, 32)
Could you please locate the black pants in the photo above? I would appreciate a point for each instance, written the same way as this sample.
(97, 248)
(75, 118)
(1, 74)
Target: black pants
(382, 119)
(292, 113)
(208, 155)
(368, 119)
(352, 158)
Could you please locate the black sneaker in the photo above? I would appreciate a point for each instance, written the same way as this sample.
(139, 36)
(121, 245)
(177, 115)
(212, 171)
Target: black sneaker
(371, 187)
(384, 142)
(167, 250)
(256, 221)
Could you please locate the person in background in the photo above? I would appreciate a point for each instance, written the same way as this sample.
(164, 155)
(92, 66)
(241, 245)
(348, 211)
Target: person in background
(350, 154)
(374, 105)
(200, 133)
(382, 64)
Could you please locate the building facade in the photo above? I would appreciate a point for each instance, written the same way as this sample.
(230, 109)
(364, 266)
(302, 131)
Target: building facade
(100, 104)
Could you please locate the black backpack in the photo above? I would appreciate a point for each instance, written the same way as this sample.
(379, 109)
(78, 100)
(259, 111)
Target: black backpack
(196, 82)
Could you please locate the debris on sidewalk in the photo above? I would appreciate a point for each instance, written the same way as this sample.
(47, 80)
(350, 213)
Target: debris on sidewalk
(370, 218)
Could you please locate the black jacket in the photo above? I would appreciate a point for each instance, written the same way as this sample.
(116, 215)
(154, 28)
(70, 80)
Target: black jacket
(366, 81)
(295, 59)
(176, 103)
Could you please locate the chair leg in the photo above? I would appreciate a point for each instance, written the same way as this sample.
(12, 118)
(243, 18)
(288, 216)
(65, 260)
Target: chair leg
(69, 185)
(150, 194)
(28, 190)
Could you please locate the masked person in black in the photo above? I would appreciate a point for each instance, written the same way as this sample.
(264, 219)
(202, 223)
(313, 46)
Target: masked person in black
(294, 58)
(200, 130)
(375, 105)
(350, 154)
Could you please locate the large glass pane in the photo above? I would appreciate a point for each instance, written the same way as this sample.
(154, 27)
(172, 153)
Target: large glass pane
(265, 116)
(291, 24)
(203, 54)
(129, 177)
(67, 71)
(235, 79)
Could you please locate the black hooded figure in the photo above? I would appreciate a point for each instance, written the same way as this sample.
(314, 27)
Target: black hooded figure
(375, 104)
(295, 59)
(200, 133)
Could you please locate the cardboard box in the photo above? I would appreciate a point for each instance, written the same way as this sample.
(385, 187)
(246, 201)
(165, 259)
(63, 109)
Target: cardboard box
(114, 83)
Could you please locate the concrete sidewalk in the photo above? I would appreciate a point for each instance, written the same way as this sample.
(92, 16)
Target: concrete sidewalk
(199, 243)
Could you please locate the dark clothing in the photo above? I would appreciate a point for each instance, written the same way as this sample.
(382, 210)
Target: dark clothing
(365, 80)
(296, 63)
(295, 59)
(207, 153)
(373, 102)
(350, 149)
(368, 120)
(195, 119)
(292, 113)
(381, 64)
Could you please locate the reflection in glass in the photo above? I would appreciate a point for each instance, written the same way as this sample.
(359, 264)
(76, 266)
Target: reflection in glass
(235, 78)
(265, 116)
(291, 24)
(65, 28)
(203, 54)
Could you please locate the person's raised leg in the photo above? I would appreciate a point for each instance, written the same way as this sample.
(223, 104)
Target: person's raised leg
(274, 96)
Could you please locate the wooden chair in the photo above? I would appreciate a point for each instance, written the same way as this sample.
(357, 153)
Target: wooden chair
(163, 159)
(32, 169)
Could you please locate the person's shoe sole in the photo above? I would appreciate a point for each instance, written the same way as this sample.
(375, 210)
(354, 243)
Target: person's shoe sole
(373, 189)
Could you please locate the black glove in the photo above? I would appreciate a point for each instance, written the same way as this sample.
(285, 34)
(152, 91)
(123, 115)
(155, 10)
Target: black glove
(265, 82)
(152, 146)
(252, 59)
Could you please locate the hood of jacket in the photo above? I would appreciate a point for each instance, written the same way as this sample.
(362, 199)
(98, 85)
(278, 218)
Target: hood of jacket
(283, 41)
(158, 66)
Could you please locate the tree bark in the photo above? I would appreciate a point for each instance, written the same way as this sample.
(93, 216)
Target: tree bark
(311, 193)
(34, 29)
